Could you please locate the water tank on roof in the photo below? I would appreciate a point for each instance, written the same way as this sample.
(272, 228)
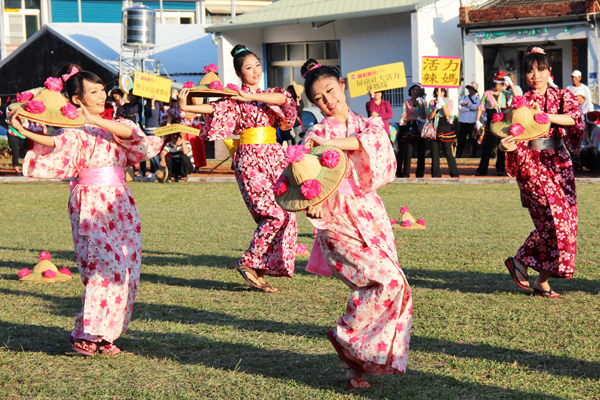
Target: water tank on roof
(139, 26)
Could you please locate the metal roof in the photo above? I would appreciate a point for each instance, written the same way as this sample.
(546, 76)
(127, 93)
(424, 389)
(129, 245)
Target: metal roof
(288, 12)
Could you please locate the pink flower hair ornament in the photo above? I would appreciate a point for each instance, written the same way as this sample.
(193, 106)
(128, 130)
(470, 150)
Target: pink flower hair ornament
(498, 117)
(519, 101)
(24, 272)
(281, 186)
(35, 107)
(295, 153)
(49, 274)
(54, 84)
(210, 68)
(516, 129)
(188, 85)
(541, 118)
(216, 85)
(44, 255)
(330, 159)
(70, 111)
(310, 189)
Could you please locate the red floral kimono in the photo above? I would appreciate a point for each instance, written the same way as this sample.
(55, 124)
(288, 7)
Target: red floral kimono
(547, 183)
(257, 167)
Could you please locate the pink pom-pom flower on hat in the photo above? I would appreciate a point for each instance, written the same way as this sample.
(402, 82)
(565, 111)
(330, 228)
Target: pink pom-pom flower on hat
(301, 249)
(24, 97)
(24, 272)
(54, 84)
(310, 189)
(44, 255)
(35, 107)
(315, 231)
(519, 101)
(281, 186)
(498, 117)
(541, 118)
(406, 223)
(421, 222)
(393, 221)
(403, 210)
(295, 153)
(65, 271)
(210, 68)
(69, 111)
(233, 87)
(216, 85)
(49, 274)
(330, 158)
(516, 130)
(188, 85)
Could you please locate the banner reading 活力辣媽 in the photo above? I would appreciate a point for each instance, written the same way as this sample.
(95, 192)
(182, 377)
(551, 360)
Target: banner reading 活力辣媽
(439, 71)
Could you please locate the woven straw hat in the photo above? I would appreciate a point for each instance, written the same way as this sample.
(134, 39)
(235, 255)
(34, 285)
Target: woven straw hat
(520, 121)
(203, 88)
(312, 174)
(40, 274)
(54, 102)
(408, 221)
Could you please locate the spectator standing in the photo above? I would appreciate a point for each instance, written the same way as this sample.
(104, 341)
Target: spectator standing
(579, 88)
(414, 115)
(440, 112)
(467, 108)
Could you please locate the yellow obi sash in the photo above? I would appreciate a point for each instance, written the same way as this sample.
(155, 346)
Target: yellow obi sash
(267, 135)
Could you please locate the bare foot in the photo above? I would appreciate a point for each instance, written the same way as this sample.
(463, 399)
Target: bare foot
(356, 380)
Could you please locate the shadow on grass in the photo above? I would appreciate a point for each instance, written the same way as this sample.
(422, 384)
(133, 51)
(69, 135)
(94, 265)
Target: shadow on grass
(195, 283)
(481, 282)
(319, 371)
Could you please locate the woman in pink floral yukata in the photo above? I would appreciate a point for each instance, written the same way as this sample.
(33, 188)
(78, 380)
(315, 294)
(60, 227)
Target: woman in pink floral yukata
(544, 172)
(259, 160)
(355, 237)
(104, 218)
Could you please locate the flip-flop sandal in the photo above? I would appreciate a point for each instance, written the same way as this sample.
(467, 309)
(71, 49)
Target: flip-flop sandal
(512, 269)
(348, 363)
(551, 294)
(108, 348)
(74, 342)
(246, 272)
(265, 287)
(356, 384)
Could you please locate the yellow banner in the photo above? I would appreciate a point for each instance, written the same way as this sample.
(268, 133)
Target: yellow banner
(176, 128)
(146, 85)
(442, 72)
(382, 77)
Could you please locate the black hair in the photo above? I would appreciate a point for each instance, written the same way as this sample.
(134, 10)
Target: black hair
(436, 91)
(314, 74)
(541, 59)
(116, 91)
(421, 90)
(73, 86)
(239, 54)
(292, 91)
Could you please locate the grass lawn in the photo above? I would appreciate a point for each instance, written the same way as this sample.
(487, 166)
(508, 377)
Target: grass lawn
(198, 333)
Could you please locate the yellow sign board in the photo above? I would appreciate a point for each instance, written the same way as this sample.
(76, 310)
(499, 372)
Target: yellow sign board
(382, 77)
(442, 72)
(176, 128)
(146, 85)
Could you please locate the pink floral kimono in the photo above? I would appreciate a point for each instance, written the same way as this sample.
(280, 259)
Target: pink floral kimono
(105, 221)
(257, 168)
(547, 183)
(357, 243)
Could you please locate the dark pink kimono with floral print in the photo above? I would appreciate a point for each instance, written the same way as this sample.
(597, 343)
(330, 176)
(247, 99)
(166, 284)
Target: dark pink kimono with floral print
(257, 167)
(107, 231)
(357, 242)
(547, 183)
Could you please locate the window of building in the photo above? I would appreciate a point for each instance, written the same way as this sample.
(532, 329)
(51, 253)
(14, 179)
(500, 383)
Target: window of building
(394, 96)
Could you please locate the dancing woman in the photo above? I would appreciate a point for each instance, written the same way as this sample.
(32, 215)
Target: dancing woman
(544, 172)
(355, 236)
(105, 221)
(259, 160)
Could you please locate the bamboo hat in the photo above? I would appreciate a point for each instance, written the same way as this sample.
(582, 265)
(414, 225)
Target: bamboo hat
(211, 86)
(45, 271)
(50, 107)
(309, 179)
(408, 221)
(520, 121)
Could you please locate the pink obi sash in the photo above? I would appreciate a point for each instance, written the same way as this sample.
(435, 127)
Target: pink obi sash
(316, 262)
(105, 176)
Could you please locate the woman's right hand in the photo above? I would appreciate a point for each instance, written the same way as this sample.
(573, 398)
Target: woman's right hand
(182, 98)
(508, 144)
(163, 163)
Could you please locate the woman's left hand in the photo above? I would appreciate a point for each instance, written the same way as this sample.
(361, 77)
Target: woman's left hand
(535, 106)
(314, 141)
(241, 96)
(315, 212)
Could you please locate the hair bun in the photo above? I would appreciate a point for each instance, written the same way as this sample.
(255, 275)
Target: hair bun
(239, 48)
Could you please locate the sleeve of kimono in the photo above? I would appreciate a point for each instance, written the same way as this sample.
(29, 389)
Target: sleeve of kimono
(572, 135)
(222, 122)
(139, 147)
(315, 130)
(516, 158)
(283, 116)
(375, 162)
(58, 162)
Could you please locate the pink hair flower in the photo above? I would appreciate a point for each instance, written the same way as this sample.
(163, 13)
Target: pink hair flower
(49, 274)
(310, 189)
(24, 97)
(301, 249)
(403, 210)
(217, 85)
(35, 107)
(210, 68)
(188, 85)
(406, 223)
(69, 111)
(541, 118)
(281, 186)
(295, 153)
(330, 159)
(498, 117)
(24, 272)
(65, 271)
(54, 84)
(233, 87)
(519, 101)
(421, 222)
(393, 221)
(516, 129)
(44, 255)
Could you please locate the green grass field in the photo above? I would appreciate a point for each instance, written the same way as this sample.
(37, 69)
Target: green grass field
(198, 333)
